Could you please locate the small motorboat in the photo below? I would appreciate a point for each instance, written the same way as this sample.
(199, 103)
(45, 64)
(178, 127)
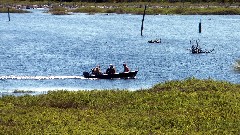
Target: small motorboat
(155, 41)
(123, 75)
(196, 49)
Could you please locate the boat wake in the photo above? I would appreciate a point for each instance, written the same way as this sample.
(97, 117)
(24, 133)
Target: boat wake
(237, 65)
(39, 77)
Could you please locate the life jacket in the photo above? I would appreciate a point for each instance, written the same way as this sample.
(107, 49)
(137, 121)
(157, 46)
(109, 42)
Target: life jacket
(126, 69)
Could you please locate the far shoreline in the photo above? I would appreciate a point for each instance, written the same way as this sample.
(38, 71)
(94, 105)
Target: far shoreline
(131, 8)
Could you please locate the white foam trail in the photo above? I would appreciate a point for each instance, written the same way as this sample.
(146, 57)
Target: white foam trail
(39, 77)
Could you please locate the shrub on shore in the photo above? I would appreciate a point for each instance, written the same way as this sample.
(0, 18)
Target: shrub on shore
(190, 106)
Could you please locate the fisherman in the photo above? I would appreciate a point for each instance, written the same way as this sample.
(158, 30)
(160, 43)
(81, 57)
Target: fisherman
(194, 49)
(97, 70)
(111, 69)
(126, 69)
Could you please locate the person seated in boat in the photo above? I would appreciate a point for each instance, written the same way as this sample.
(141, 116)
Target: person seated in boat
(97, 70)
(111, 69)
(194, 49)
(150, 41)
(157, 41)
(126, 69)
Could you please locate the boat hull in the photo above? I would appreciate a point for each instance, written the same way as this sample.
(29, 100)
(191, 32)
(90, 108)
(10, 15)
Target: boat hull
(124, 75)
(200, 51)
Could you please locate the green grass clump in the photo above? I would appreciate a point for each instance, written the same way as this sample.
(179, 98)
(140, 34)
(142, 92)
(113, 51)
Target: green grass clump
(190, 106)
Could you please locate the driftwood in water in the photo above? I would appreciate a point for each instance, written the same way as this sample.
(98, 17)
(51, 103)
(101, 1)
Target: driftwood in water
(143, 19)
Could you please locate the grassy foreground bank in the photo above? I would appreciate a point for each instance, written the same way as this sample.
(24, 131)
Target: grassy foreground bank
(190, 106)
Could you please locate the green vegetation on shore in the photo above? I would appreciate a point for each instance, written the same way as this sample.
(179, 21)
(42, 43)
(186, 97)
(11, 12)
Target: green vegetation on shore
(133, 7)
(58, 11)
(164, 11)
(153, 9)
(12, 10)
(133, 10)
(190, 106)
(149, 11)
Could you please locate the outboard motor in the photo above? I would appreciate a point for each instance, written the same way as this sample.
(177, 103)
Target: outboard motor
(85, 74)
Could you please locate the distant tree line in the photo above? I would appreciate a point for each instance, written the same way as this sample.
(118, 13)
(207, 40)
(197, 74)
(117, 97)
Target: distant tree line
(119, 1)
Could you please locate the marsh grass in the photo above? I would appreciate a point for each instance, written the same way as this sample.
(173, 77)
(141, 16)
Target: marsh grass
(153, 11)
(189, 106)
(58, 11)
(186, 8)
(12, 10)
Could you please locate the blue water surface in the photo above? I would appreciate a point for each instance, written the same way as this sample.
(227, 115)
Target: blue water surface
(41, 44)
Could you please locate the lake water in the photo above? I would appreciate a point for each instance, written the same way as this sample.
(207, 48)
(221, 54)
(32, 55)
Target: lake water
(41, 45)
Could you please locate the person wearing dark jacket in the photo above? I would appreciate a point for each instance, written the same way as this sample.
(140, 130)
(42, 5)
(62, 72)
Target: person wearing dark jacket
(111, 69)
